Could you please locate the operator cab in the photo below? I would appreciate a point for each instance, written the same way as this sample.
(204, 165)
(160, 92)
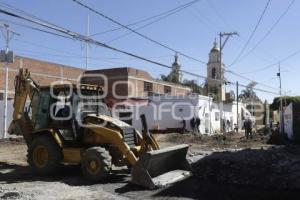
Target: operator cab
(64, 107)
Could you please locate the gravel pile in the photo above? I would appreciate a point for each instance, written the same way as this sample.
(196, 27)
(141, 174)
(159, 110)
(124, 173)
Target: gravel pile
(277, 167)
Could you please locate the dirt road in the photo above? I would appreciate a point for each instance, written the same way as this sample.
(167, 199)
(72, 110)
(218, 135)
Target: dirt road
(219, 166)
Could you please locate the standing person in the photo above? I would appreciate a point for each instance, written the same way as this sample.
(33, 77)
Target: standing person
(198, 122)
(224, 125)
(228, 124)
(183, 130)
(236, 128)
(192, 123)
(248, 128)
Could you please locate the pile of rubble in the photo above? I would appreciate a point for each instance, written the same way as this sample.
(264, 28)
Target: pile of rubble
(276, 167)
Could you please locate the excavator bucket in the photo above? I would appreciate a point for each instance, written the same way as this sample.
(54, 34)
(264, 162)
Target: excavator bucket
(161, 167)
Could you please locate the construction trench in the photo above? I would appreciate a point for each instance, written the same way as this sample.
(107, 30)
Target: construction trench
(223, 166)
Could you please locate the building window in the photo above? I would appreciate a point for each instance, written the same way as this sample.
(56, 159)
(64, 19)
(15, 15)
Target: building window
(213, 73)
(148, 87)
(167, 89)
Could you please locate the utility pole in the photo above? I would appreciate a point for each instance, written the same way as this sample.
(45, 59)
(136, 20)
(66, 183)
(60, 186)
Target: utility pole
(280, 96)
(222, 44)
(237, 106)
(87, 44)
(7, 57)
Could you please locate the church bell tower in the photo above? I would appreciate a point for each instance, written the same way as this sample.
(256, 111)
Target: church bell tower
(215, 73)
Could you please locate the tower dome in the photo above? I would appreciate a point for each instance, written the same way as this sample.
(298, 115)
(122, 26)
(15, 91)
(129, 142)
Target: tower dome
(215, 47)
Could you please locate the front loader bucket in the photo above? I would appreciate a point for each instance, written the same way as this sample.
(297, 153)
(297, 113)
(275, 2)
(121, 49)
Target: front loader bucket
(161, 167)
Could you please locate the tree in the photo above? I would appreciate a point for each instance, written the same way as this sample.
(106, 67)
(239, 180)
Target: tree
(169, 78)
(248, 94)
(163, 77)
(193, 85)
(286, 100)
(189, 83)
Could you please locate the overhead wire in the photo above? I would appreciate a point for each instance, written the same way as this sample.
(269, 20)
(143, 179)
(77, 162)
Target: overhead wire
(150, 23)
(83, 38)
(246, 78)
(164, 14)
(270, 30)
(80, 37)
(34, 28)
(146, 37)
(252, 33)
(274, 64)
(256, 89)
(141, 35)
(72, 54)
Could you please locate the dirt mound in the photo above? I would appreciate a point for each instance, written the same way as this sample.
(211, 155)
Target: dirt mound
(277, 138)
(271, 168)
(178, 138)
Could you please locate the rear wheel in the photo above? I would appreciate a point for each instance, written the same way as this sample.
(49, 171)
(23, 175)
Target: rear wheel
(96, 163)
(44, 155)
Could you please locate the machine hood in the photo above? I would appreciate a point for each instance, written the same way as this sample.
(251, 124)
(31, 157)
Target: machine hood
(111, 120)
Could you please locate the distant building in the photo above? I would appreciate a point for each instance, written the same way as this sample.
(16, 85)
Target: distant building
(215, 73)
(127, 82)
(258, 109)
(175, 74)
(166, 114)
(43, 72)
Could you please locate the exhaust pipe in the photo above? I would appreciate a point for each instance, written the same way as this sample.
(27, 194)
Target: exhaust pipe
(161, 167)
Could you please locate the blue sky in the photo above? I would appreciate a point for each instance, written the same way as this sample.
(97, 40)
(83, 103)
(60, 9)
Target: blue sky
(191, 31)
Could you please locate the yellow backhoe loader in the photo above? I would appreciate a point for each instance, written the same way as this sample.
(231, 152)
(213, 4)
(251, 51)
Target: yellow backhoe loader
(70, 124)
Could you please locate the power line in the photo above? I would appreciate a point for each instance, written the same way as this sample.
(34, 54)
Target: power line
(252, 34)
(71, 54)
(25, 13)
(65, 57)
(212, 6)
(269, 31)
(152, 22)
(246, 78)
(257, 89)
(276, 63)
(164, 14)
(141, 35)
(34, 28)
(83, 38)
(74, 57)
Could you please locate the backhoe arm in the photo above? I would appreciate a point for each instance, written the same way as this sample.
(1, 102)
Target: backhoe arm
(24, 86)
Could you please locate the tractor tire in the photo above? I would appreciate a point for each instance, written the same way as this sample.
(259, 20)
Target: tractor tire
(44, 155)
(96, 163)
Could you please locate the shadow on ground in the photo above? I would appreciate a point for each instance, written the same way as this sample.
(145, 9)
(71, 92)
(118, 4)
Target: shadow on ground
(248, 174)
(196, 188)
(272, 173)
(70, 175)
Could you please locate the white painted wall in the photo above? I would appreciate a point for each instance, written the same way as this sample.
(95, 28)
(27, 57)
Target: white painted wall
(288, 121)
(166, 112)
(9, 116)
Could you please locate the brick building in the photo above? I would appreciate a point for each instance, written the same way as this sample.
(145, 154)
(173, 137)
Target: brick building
(129, 82)
(41, 71)
(126, 82)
